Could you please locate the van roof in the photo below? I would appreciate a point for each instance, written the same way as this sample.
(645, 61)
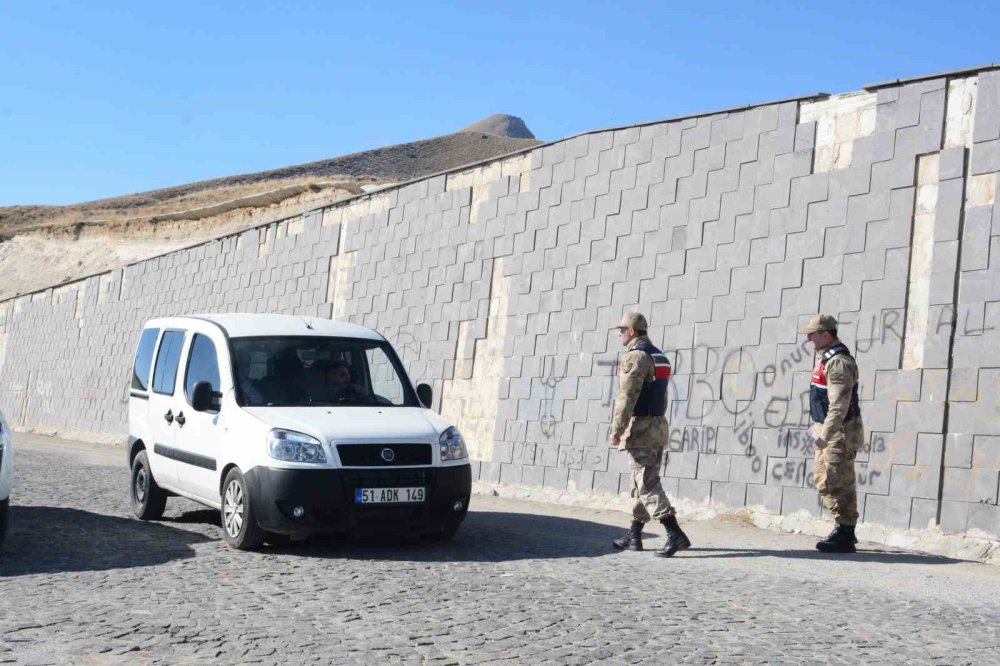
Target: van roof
(244, 325)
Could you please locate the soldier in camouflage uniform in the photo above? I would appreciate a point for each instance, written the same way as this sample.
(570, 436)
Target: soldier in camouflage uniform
(836, 426)
(640, 427)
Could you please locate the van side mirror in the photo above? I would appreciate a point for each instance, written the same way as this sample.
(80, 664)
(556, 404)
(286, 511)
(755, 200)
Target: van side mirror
(203, 398)
(426, 394)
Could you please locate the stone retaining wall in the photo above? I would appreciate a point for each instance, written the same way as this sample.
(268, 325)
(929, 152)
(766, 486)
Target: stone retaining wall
(498, 285)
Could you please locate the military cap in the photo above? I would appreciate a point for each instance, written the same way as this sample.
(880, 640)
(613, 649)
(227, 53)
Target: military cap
(633, 320)
(820, 322)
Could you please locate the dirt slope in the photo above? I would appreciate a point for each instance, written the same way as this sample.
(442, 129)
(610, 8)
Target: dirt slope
(45, 245)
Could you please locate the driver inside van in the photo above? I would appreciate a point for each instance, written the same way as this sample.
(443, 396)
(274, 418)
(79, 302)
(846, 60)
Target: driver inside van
(338, 383)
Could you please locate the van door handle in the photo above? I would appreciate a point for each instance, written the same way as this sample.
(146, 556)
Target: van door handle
(169, 416)
(180, 419)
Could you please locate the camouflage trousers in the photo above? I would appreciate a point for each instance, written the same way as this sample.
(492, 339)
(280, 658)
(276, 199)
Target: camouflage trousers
(650, 500)
(834, 473)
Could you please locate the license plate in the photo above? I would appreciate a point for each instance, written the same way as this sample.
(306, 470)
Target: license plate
(388, 495)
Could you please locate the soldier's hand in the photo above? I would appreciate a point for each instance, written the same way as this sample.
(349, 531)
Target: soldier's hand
(615, 441)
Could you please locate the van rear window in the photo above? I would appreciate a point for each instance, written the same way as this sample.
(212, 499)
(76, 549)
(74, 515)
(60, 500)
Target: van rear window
(144, 359)
(165, 375)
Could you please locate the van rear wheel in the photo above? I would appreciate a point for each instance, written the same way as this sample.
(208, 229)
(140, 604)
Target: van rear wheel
(148, 499)
(4, 518)
(239, 523)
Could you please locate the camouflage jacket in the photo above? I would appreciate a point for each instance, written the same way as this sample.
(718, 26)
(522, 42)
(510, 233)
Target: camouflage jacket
(841, 376)
(635, 369)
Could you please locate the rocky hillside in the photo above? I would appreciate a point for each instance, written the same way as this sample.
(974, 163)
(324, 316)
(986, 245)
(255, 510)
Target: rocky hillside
(45, 245)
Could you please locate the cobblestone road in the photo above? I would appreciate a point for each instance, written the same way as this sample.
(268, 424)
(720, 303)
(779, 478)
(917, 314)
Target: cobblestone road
(82, 582)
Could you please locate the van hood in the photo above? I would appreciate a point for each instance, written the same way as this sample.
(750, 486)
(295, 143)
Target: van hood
(336, 425)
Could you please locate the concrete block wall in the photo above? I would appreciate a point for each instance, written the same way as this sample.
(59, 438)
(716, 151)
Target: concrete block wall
(498, 284)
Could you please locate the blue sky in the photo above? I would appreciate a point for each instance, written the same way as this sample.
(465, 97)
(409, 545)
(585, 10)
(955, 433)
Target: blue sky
(100, 99)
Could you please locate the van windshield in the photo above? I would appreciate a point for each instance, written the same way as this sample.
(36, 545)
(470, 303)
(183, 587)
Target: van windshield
(290, 371)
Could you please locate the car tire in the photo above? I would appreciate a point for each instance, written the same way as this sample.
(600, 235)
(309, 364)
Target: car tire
(239, 523)
(4, 518)
(148, 499)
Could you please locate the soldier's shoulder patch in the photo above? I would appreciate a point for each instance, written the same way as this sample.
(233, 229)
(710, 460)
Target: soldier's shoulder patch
(838, 371)
(628, 365)
(837, 376)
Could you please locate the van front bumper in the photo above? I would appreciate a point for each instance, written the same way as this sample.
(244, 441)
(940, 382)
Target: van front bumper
(326, 499)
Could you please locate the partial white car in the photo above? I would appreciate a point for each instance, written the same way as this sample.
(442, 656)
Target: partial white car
(290, 426)
(6, 473)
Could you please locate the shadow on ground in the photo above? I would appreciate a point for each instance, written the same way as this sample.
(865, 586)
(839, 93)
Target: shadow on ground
(864, 554)
(45, 539)
(198, 517)
(484, 536)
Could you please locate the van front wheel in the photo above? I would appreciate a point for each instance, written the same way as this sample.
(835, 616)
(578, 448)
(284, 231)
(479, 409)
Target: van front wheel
(239, 524)
(148, 499)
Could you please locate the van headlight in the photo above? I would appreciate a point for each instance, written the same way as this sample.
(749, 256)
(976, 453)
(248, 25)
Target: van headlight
(452, 445)
(292, 446)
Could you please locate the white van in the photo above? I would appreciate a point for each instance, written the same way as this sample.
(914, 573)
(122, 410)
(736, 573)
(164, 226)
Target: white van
(290, 426)
(6, 473)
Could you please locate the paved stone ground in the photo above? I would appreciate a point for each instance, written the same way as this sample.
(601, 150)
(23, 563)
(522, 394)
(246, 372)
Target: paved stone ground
(83, 582)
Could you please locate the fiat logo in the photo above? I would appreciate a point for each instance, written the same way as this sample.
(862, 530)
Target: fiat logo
(388, 455)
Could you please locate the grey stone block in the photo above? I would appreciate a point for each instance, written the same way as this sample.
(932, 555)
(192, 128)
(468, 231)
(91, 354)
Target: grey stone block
(954, 516)
(682, 464)
(617, 461)
(958, 450)
(798, 500)
(489, 471)
(595, 458)
(713, 467)
(766, 497)
(891, 511)
(929, 448)
(914, 481)
(987, 122)
(923, 514)
(606, 482)
(902, 447)
(985, 158)
(971, 485)
(511, 473)
(984, 517)
(976, 239)
(697, 490)
(556, 477)
(748, 469)
(729, 494)
(533, 475)
(951, 163)
(580, 480)
(986, 452)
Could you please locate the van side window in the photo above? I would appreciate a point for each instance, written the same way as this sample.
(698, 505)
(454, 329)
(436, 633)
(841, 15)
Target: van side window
(165, 373)
(203, 365)
(144, 359)
(385, 380)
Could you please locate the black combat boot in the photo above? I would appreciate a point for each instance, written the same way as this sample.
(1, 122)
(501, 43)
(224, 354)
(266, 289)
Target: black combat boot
(632, 539)
(834, 531)
(840, 540)
(676, 539)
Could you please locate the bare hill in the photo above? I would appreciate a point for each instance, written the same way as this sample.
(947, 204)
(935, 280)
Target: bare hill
(46, 245)
(501, 124)
(382, 165)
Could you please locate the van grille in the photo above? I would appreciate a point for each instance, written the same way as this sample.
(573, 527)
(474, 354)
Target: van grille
(403, 478)
(370, 455)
